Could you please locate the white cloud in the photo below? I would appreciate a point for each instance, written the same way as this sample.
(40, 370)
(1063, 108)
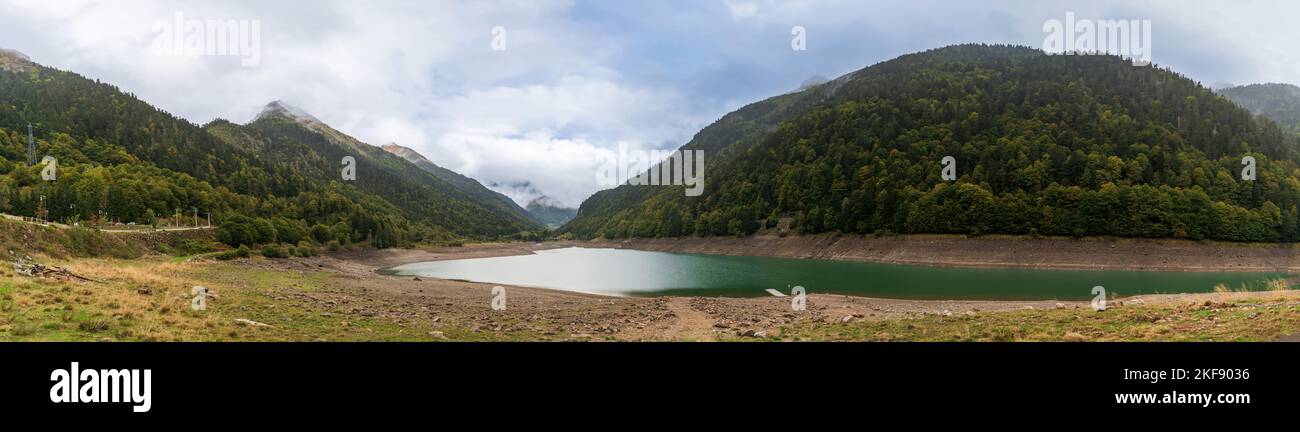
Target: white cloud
(576, 78)
(741, 9)
(419, 74)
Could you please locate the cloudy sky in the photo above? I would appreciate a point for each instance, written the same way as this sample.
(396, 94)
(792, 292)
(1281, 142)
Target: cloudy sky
(577, 78)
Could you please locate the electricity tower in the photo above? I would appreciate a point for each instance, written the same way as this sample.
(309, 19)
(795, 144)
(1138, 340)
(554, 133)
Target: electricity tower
(31, 147)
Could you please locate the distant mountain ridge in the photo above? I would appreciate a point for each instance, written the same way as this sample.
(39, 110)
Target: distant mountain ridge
(464, 184)
(1277, 102)
(296, 137)
(550, 212)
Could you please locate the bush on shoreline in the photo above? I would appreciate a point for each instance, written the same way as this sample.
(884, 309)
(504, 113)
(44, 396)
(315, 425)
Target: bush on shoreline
(274, 251)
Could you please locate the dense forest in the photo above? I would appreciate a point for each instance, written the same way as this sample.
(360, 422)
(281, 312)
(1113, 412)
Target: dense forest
(1277, 102)
(1044, 145)
(122, 160)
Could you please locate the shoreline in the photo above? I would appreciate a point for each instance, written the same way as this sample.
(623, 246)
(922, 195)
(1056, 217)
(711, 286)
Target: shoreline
(377, 260)
(922, 250)
(339, 297)
(588, 316)
(1011, 252)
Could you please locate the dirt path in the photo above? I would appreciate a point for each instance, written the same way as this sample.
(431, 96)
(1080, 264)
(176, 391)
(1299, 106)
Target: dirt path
(689, 323)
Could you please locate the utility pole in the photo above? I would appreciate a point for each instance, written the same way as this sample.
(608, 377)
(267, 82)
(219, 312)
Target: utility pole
(196, 217)
(31, 147)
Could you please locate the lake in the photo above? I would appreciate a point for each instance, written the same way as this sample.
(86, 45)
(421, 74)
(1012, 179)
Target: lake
(621, 272)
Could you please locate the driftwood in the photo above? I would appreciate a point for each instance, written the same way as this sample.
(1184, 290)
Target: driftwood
(39, 270)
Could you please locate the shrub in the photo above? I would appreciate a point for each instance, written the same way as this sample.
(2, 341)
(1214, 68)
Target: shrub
(182, 247)
(289, 230)
(265, 231)
(242, 252)
(333, 246)
(321, 233)
(274, 251)
(306, 249)
(238, 230)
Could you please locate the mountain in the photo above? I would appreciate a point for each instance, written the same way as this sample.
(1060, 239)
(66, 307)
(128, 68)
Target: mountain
(487, 197)
(132, 161)
(289, 136)
(1044, 144)
(1277, 102)
(550, 212)
(13, 59)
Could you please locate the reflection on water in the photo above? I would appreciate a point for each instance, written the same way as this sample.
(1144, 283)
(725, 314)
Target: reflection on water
(639, 273)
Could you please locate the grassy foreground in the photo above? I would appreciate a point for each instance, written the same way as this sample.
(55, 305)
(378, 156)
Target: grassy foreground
(148, 299)
(1263, 318)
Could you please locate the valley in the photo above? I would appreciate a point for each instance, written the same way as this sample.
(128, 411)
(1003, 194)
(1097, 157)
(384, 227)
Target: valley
(844, 170)
(320, 210)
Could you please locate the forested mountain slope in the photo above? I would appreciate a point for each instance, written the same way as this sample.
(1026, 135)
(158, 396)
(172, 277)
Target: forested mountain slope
(1277, 102)
(1053, 145)
(122, 157)
(488, 197)
(287, 136)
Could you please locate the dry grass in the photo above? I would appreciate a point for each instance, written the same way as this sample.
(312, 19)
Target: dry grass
(1219, 316)
(149, 300)
(144, 300)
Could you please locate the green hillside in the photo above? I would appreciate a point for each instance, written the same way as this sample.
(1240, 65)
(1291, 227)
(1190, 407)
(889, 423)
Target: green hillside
(119, 155)
(1052, 145)
(1277, 102)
